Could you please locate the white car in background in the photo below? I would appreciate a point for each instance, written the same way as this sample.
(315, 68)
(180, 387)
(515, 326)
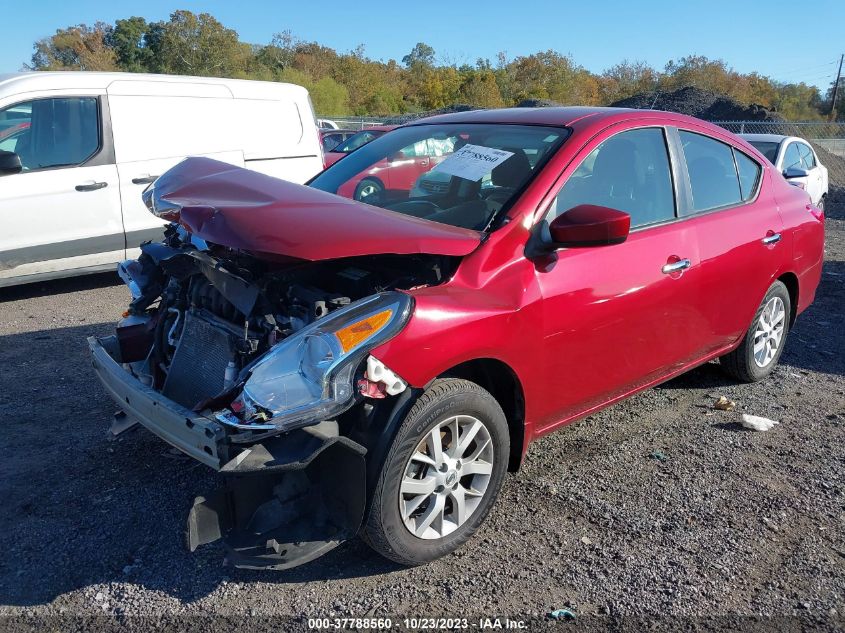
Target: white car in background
(78, 148)
(796, 159)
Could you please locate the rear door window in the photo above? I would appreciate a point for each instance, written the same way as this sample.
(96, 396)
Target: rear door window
(712, 172)
(808, 159)
(628, 172)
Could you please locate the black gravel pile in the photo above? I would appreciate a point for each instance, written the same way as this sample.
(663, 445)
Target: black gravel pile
(835, 172)
(414, 116)
(698, 103)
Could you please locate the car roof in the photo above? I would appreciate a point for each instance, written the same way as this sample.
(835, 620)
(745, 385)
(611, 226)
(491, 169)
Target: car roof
(77, 79)
(378, 128)
(765, 138)
(567, 116)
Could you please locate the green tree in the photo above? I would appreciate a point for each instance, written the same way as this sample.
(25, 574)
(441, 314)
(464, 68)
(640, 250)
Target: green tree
(422, 54)
(191, 44)
(329, 97)
(127, 39)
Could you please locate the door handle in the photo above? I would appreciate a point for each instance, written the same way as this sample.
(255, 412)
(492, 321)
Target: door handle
(144, 180)
(674, 267)
(92, 186)
(774, 238)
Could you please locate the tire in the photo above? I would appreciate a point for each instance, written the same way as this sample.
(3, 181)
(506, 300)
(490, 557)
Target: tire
(820, 205)
(449, 401)
(742, 363)
(368, 187)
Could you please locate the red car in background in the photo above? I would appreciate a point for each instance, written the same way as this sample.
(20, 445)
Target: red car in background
(353, 142)
(378, 367)
(394, 177)
(330, 139)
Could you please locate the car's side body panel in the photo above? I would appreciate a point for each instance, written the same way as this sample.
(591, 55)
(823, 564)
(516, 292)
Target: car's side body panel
(584, 328)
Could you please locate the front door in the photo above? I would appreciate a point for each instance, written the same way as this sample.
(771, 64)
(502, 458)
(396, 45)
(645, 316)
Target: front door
(618, 317)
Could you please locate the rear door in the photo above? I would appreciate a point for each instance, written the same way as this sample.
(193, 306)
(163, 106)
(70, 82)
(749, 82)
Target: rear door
(62, 212)
(618, 317)
(738, 230)
(815, 181)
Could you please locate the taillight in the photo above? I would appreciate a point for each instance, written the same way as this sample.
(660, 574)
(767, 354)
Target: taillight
(816, 212)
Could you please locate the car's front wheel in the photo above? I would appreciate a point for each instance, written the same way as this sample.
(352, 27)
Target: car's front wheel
(760, 349)
(368, 189)
(441, 475)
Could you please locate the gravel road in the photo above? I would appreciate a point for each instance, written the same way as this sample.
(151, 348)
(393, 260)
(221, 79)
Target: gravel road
(660, 512)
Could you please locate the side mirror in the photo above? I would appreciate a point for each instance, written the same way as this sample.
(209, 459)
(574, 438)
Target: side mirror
(795, 172)
(10, 163)
(590, 225)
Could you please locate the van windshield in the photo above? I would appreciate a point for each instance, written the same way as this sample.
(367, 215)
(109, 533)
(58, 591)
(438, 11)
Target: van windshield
(459, 174)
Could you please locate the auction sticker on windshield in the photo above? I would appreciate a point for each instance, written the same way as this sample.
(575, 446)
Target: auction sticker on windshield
(473, 162)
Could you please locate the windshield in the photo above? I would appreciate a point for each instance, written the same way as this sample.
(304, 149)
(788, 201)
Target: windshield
(769, 149)
(357, 140)
(463, 174)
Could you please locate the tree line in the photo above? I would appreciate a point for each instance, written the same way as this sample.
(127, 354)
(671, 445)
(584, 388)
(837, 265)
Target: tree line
(352, 84)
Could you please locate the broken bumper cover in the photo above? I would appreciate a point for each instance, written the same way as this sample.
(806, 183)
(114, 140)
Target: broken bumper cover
(285, 500)
(195, 435)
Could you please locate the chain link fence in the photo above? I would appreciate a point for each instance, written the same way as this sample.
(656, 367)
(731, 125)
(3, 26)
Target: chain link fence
(830, 136)
(354, 123)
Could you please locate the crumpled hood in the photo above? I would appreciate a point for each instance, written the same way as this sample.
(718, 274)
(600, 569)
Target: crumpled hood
(244, 209)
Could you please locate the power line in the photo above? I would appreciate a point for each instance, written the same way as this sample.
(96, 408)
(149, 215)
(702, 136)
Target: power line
(806, 68)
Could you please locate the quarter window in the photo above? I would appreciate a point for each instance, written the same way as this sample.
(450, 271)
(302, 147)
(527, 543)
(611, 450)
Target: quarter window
(628, 172)
(749, 174)
(51, 132)
(712, 172)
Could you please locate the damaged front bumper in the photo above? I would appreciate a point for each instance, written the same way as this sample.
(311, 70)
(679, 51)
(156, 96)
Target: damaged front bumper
(286, 499)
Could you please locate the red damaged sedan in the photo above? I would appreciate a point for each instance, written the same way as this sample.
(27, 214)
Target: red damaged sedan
(377, 367)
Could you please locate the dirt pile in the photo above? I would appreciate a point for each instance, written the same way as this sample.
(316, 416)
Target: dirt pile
(698, 103)
(413, 116)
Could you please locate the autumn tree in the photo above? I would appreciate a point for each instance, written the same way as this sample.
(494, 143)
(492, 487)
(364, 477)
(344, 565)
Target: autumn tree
(349, 82)
(79, 47)
(625, 80)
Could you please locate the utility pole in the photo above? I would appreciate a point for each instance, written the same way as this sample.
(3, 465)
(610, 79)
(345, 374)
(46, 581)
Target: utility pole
(836, 90)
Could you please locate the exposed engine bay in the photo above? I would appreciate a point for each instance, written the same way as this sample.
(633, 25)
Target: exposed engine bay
(260, 368)
(199, 319)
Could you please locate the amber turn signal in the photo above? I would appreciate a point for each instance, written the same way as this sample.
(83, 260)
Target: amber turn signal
(354, 334)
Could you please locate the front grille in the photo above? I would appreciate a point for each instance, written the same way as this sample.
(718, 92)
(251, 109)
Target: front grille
(199, 363)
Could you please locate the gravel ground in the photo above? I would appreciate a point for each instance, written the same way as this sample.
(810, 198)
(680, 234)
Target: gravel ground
(658, 513)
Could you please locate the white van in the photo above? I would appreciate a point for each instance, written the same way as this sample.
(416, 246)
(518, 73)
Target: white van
(78, 148)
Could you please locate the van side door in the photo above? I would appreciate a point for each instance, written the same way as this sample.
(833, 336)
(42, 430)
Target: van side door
(61, 213)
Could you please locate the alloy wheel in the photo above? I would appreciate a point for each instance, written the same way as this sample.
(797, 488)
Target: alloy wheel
(446, 477)
(769, 331)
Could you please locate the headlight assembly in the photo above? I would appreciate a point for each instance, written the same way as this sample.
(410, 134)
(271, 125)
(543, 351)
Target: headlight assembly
(310, 375)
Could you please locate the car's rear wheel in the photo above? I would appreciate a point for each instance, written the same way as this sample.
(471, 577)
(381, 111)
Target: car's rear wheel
(441, 475)
(760, 349)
